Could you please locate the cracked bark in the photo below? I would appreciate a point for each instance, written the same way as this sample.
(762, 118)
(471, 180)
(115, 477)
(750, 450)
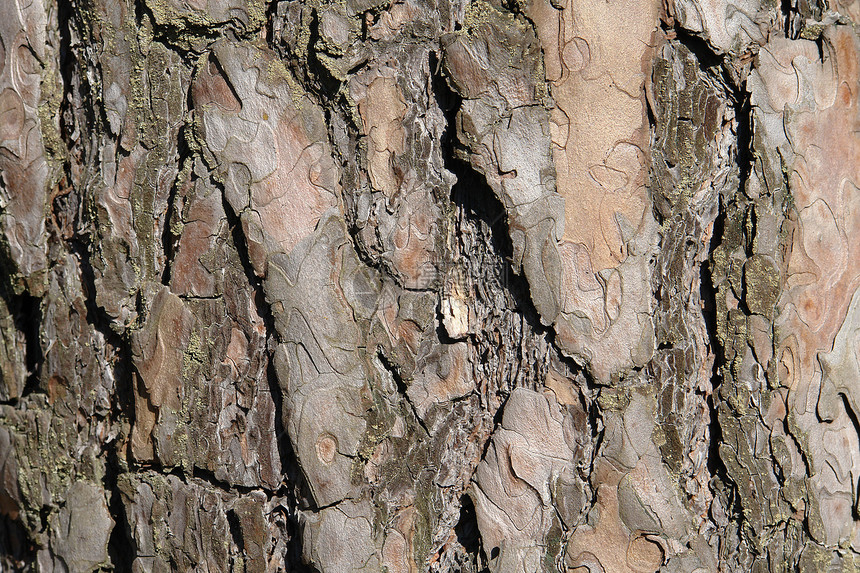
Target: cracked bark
(452, 286)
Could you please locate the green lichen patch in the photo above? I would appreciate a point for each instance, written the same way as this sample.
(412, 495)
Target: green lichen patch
(761, 285)
(194, 29)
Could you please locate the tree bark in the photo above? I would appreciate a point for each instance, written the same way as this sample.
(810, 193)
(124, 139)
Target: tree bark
(478, 286)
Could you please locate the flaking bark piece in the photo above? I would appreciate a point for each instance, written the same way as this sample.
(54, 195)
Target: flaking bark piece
(24, 166)
(727, 25)
(518, 481)
(80, 531)
(596, 69)
(159, 350)
(318, 362)
(247, 100)
(807, 109)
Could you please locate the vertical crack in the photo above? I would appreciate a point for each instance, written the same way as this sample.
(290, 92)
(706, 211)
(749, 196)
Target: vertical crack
(469, 537)
(393, 370)
(477, 203)
(294, 488)
(27, 311)
(121, 546)
(238, 540)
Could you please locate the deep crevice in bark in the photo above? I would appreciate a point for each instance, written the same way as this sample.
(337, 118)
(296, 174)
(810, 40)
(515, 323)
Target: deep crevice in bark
(477, 203)
(708, 295)
(65, 13)
(170, 240)
(238, 539)
(723, 484)
(743, 116)
(81, 241)
(122, 548)
(705, 55)
(469, 536)
(173, 35)
(265, 312)
(118, 345)
(392, 368)
(210, 478)
(326, 83)
(293, 485)
(268, 25)
(16, 549)
(27, 311)
(788, 12)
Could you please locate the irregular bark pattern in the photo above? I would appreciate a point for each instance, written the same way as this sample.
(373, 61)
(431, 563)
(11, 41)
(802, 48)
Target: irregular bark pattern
(406, 286)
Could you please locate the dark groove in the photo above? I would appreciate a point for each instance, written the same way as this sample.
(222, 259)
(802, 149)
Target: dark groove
(97, 317)
(788, 12)
(171, 34)
(27, 312)
(17, 551)
(169, 241)
(705, 55)
(327, 85)
(241, 246)
(708, 294)
(238, 538)
(856, 423)
(65, 11)
(477, 202)
(269, 24)
(122, 548)
(78, 106)
(211, 479)
(82, 244)
(739, 99)
(394, 370)
(469, 536)
(743, 115)
(294, 486)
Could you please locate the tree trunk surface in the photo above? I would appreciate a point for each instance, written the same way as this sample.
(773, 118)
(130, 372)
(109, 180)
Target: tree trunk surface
(430, 285)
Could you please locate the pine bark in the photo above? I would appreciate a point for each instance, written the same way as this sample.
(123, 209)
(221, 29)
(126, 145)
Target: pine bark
(429, 285)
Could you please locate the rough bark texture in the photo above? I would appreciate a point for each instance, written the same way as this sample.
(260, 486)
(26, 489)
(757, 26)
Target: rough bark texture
(430, 285)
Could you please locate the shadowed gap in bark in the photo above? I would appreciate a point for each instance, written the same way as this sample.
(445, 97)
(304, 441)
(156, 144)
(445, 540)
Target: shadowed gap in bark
(468, 535)
(293, 486)
(708, 295)
(27, 311)
(476, 200)
(269, 24)
(739, 99)
(393, 369)
(171, 35)
(121, 546)
(16, 549)
(327, 83)
(169, 240)
(238, 539)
